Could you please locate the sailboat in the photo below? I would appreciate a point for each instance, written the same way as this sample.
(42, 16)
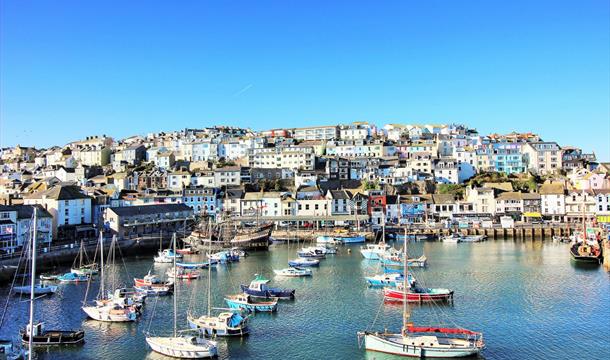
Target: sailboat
(375, 251)
(103, 309)
(294, 271)
(583, 249)
(34, 334)
(185, 346)
(81, 265)
(422, 342)
(227, 323)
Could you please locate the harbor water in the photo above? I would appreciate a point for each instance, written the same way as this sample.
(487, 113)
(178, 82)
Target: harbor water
(527, 297)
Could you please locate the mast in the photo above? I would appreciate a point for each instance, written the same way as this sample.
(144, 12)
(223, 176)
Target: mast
(210, 267)
(405, 308)
(584, 221)
(160, 241)
(175, 287)
(32, 285)
(101, 263)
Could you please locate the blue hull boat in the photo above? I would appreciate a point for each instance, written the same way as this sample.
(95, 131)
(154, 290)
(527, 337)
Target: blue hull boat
(351, 239)
(244, 302)
(259, 288)
(304, 262)
(72, 278)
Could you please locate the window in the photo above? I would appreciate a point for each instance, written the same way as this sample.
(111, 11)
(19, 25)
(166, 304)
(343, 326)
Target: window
(66, 212)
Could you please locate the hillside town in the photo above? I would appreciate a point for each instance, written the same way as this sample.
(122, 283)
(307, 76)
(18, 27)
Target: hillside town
(444, 173)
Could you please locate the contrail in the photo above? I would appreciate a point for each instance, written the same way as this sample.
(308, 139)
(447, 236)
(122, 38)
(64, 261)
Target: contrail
(243, 90)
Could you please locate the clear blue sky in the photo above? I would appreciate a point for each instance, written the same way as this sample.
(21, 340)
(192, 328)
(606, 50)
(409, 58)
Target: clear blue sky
(76, 68)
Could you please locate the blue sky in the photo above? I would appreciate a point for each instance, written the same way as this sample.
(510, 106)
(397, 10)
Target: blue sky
(75, 68)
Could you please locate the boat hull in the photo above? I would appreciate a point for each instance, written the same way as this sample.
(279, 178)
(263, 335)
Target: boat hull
(392, 295)
(233, 304)
(175, 348)
(107, 314)
(269, 293)
(215, 327)
(54, 338)
(26, 290)
(394, 344)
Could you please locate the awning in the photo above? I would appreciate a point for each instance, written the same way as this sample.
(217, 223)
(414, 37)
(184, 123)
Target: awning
(603, 219)
(532, 214)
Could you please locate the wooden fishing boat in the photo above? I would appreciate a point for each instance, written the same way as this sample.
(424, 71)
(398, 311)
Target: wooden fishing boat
(259, 288)
(42, 337)
(586, 252)
(246, 302)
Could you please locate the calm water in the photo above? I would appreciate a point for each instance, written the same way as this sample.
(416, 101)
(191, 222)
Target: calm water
(527, 297)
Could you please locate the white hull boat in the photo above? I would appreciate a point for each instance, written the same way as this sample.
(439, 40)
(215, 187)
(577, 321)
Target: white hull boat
(293, 272)
(183, 347)
(422, 346)
(110, 313)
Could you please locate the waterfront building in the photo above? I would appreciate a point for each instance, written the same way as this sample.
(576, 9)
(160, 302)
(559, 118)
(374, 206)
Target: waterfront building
(16, 225)
(579, 203)
(140, 220)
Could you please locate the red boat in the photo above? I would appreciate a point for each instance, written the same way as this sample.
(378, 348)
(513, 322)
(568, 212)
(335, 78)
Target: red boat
(418, 295)
(186, 251)
(150, 280)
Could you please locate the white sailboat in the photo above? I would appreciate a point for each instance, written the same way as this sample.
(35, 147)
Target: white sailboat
(102, 309)
(81, 265)
(183, 345)
(422, 342)
(294, 271)
(227, 323)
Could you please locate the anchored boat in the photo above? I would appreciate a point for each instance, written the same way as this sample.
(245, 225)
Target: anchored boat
(422, 342)
(259, 288)
(184, 344)
(246, 302)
